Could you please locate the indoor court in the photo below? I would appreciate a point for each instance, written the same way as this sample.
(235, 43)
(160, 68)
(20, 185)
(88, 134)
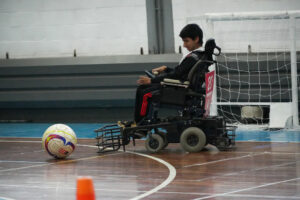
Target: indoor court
(149, 99)
(264, 165)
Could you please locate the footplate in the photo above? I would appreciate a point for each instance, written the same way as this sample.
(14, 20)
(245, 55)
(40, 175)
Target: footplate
(109, 138)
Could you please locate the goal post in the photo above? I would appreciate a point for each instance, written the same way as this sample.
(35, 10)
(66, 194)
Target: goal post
(256, 34)
(294, 75)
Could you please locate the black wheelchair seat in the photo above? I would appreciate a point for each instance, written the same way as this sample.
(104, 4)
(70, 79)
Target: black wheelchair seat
(190, 94)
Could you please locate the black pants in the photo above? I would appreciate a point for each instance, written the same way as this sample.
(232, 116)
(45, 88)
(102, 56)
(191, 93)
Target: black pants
(143, 99)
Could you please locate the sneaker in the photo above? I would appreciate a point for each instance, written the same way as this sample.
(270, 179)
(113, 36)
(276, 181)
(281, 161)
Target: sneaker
(133, 124)
(124, 124)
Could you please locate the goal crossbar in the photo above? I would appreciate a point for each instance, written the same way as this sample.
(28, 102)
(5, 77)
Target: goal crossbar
(247, 16)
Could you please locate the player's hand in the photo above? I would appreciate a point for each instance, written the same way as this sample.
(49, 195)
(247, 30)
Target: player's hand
(159, 69)
(144, 80)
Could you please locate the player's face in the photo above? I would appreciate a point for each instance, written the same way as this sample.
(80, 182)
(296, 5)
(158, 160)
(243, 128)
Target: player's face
(190, 44)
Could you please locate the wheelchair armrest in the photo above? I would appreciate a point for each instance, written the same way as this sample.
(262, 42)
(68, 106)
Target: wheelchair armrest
(174, 82)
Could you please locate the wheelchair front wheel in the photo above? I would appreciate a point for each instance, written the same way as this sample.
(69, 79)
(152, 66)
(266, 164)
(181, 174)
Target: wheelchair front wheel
(164, 136)
(193, 139)
(154, 143)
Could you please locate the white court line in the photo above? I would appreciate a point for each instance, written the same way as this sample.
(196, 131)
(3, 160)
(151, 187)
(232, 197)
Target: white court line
(267, 152)
(5, 198)
(250, 154)
(172, 170)
(27, 167)
(246, 189)
(284, 153)
(59, 162)
(172, 173)
(135, 191)
(20, 161)
(47, 164)
(226, 159)
(100, 189)
(240, 172)
(250, 196)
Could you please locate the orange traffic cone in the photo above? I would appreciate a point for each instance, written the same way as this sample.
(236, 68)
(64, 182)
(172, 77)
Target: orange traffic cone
(85, 189)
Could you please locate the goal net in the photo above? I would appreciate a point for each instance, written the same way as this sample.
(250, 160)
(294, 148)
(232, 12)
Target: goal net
(254, 75)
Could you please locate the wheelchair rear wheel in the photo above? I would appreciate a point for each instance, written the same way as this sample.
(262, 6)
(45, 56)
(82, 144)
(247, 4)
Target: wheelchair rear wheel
(193, 139)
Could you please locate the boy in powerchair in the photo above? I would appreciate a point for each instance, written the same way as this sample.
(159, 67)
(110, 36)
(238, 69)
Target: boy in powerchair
(192, 37)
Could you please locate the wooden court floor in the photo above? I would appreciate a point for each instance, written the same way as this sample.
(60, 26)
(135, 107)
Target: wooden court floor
(254, 170)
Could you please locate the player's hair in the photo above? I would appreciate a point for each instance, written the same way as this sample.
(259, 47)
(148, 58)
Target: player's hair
(192, 31)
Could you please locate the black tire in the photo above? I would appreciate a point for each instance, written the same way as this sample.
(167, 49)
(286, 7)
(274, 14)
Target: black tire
(192, 139)
(164, 136)
(154, 143)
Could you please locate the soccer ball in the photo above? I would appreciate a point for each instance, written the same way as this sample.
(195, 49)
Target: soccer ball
(59, 140)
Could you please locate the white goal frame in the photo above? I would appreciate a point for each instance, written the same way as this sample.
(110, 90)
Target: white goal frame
(210, 18)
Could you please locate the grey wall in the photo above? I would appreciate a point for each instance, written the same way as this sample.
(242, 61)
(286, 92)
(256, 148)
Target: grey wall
(35, 28)
(74, 82)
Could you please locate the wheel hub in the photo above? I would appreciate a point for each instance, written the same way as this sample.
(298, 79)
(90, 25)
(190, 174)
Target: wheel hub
(192, 140)
(153, 144)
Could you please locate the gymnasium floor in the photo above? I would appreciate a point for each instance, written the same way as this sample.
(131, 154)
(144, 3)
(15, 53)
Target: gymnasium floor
(264, 165)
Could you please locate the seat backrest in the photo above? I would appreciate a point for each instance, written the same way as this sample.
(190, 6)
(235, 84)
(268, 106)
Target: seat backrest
(196, 76)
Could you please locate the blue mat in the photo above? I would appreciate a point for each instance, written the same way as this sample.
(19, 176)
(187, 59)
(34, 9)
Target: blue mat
(86, 130)
(268, 136)
(36, 130)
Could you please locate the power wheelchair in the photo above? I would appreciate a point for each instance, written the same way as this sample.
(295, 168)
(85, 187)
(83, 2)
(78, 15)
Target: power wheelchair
(191, 127)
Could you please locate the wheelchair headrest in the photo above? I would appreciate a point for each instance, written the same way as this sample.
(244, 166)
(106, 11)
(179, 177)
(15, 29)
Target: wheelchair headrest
(210, 47)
